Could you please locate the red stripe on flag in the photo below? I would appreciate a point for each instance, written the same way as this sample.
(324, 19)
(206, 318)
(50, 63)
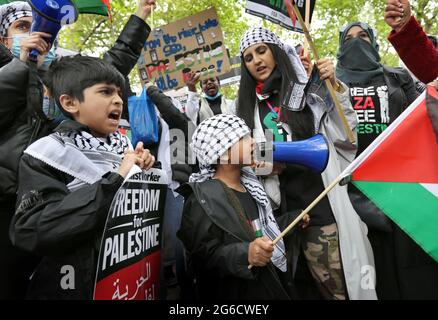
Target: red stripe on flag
(409, 154)
(108, 5)
(291, 12)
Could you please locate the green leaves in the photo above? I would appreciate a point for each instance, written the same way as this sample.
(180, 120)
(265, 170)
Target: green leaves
(93, 34)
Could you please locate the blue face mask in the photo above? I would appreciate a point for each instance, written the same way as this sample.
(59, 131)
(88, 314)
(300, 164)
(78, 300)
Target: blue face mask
(206, 96)
(52, 111)
(16, 50)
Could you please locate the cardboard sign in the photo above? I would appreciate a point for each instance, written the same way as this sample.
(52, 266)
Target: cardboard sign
(195, 43)
(276, 12)
(130, 258)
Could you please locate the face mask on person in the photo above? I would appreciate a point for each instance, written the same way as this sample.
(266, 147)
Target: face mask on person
(358, 54)
(206, 96)
(16, 50)
(52, 111)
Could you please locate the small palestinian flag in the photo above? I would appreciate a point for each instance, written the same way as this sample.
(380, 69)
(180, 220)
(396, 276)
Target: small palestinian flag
(399, 172)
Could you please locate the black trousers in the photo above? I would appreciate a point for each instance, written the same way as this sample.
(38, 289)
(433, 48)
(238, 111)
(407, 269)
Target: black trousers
(16, 266)
(403, 269)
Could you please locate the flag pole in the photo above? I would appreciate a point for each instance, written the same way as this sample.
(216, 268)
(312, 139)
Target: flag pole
(293, 9)
(152, 18)
(310, 207)
(307, 210)
(306, 44)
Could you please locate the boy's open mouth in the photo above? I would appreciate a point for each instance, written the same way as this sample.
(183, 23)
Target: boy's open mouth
(115, 115)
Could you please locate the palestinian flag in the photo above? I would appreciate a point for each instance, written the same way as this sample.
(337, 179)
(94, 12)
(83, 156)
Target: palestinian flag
(399, 173)
(100, 7)
(432, 109)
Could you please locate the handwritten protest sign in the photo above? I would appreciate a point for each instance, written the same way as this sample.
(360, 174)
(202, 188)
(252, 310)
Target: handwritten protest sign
(129, 257)
(194, 43)
(276, 12)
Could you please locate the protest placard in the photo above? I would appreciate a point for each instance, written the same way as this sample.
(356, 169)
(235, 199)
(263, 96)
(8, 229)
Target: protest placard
(195, 43)
(276, 12)
(130, 251)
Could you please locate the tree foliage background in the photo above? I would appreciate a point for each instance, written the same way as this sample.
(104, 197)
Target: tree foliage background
(93, 35)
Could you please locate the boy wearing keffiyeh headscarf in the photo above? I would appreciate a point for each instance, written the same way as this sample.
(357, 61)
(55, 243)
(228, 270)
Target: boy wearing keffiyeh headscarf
(228, 222)
(21, 125)
(68, 179)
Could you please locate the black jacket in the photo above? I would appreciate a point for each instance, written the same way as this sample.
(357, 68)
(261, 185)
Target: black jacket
(15, 124)
(62, 227)
(181, 170)
(401, 90)
(218, 244)
(5, 55)
(16, 128)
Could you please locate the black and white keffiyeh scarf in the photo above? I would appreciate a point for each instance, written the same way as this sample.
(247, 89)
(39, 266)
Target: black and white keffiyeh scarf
(81, 155)
(11, 12)
(211, 139)
(261, 35)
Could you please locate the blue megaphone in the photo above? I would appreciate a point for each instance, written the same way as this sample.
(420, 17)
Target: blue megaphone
(312, 153)
(49, 16)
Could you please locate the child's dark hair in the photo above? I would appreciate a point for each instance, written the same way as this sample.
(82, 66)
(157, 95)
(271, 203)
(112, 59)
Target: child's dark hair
(72, 75)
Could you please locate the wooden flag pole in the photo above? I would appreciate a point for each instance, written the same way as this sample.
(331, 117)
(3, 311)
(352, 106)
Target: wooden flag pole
(293, 9)
(310, 207)
(306, 211)
(306, 45)
(152, 18)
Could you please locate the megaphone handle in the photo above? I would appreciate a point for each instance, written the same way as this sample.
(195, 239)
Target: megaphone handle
(33, 55)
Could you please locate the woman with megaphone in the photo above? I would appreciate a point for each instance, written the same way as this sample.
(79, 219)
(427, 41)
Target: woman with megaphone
(277, 99)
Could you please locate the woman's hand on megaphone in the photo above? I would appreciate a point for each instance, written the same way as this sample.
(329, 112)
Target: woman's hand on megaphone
(35, 41)
(145, 8)
(265, 168)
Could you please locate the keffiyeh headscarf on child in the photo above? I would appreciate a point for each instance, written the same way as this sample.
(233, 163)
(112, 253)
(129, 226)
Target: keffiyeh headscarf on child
(211, 139)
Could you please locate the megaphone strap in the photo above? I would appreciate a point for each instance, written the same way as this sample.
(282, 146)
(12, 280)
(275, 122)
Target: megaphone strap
(278, 114)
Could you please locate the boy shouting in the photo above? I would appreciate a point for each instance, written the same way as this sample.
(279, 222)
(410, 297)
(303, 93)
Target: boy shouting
(68, 179)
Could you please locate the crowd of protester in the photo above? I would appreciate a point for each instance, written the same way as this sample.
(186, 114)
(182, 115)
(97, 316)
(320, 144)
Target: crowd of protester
(63, 159)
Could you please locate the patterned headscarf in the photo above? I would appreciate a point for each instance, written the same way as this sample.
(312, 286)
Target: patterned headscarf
(11, 12)
(261, 35)
(258, 35)
(212, 138)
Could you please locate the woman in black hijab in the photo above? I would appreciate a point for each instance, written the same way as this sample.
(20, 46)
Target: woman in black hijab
(379, 94)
